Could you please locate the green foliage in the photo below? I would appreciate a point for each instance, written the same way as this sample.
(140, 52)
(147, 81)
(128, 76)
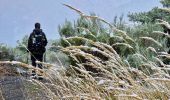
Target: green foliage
(6, 53)
(165, 3)
(21, 50)
(149, 17)
(66, 30)
(119, 22)
(22, 44)
(89, 28)
(152, 15)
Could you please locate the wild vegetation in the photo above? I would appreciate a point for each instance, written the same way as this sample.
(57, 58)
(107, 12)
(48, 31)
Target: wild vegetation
(95, 59)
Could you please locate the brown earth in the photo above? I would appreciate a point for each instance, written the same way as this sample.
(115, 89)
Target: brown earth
(14, 86)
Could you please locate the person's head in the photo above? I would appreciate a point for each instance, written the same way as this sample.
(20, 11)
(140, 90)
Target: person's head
(37, 25)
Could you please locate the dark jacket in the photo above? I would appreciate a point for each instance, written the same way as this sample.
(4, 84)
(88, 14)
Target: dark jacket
(31, 47)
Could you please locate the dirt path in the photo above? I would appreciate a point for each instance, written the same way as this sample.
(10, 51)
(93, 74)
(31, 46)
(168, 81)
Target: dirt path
(16, 87)
(11, 84)
(12, 88)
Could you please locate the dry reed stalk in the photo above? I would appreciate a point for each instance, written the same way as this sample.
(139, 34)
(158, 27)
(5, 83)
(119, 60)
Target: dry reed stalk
(158, 79)
(165, 9)
(80, 98)
(108, 47)
(162, 56)
(47, 90)
(140, 56)
(161, 33)
(163, 23)
(96, 44)
(38, 70)
(84, 72)
(159, 61)
(134, 96)
(92, 60)
(76, 50)
(123, 44)
(124, 35)
(45, 64)
(100, 19)
(152, 40)
(138, 73)
(165, 68)
(151, 49)
(97, 64)
(160, 74)
(113, 68)
(87, 16)
(87, 30)
(65, 40)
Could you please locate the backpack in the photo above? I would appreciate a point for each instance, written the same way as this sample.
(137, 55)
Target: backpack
(38, 42)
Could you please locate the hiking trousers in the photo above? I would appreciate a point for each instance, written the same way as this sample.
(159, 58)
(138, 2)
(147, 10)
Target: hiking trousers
(38, 57)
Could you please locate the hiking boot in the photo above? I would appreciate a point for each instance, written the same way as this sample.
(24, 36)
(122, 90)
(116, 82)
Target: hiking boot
(33, 77)
(40, 77)
(33, 73)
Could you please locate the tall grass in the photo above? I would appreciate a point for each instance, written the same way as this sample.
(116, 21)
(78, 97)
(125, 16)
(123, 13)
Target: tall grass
(131, 70)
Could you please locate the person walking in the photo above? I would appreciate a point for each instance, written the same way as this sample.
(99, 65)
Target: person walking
(36, 46)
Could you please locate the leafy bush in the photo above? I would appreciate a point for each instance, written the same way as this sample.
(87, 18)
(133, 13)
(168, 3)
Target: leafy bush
(6, 53)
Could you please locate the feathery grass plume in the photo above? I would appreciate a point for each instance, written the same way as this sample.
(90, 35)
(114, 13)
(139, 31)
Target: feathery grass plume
(65, 43)
(147, 68)
(125, 36)
(123, 44)
(167, 56)
(115, 39)
(152, 40)
(137, 74)
(123, 49)
(140, 56)
(94, 60)
(85, 40)
(98, 45)
(21, 65)
(99, 73)
(78, 11)
(151, 50)
(161, 33)
(88, 31)
(158, 79)
(123, 33)
(108, 47)
(133, 96)
(45, 64)
(109, 79)
(159, 61)
(164, 23)
(87, 16)
(165, 9)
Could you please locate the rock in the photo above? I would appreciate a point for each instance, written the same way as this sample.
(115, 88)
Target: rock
(11, 83)
(14, 86)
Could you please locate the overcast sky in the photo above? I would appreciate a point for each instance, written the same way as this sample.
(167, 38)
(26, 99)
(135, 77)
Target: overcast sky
(17, 17)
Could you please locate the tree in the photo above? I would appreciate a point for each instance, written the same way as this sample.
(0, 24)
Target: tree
(66, 30)
(21, 51)
(83, 27)
(151, 16)
(165, 3)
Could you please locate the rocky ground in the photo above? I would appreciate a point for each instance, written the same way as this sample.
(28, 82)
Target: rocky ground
(14, 86)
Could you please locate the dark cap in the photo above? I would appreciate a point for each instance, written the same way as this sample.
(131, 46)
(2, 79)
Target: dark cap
(37, 25)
